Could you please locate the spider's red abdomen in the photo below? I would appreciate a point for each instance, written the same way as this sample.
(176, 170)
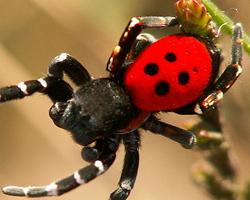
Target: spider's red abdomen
(169, 74)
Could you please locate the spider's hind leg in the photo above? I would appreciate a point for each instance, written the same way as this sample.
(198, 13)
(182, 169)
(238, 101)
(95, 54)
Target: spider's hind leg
(231, 73)
(142, 41)
(129, 36)
(186, 138)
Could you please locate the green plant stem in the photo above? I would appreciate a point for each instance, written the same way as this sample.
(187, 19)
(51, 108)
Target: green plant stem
(221, 19)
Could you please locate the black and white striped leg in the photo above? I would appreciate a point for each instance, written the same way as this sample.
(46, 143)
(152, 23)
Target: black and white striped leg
(52, 85)
(130, 167)
(231, 73)
(133, 29)
(66, 63)
(186, 138)
(141, 42)
(57, 90)
(80, 177)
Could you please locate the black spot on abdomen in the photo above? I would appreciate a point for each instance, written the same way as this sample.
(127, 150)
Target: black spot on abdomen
(183, 78)
(170, 57)
(151, 69)
(162, 88)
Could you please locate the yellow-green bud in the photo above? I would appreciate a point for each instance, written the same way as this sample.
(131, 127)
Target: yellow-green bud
(194, 18)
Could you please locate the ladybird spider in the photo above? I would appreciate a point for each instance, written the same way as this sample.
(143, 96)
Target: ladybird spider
(176, 73)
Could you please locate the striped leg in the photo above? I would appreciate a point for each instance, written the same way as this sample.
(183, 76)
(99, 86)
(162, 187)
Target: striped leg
(130, 167)
(133, 29)
(231, 73)
(52, 85)
(66, 63)
(57, 90)
(80, 177)
(185, 138)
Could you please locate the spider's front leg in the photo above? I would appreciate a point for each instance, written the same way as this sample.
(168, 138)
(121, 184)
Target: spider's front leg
(231, 73)
(133, 29)
(69, 65)
(80, 177)
(51, 85)
(57, 90)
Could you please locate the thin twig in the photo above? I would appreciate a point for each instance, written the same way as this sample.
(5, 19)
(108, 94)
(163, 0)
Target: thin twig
(220, 19)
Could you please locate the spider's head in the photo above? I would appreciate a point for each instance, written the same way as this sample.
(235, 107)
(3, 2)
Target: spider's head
(100, 107)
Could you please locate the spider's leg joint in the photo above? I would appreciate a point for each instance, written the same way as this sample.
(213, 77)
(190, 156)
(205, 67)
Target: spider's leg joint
(212, 99)
(78, 178)
(134, 22)
(126, 184)
(62, 57)
(238, 69)
(42, 82)
(197, 109)
(23, 87)
(52, 189)
(98, 164)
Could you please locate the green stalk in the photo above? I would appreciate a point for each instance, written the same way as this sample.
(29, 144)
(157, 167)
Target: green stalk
(221, 19)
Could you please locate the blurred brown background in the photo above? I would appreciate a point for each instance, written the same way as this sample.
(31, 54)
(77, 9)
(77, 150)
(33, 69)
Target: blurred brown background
(34, 152)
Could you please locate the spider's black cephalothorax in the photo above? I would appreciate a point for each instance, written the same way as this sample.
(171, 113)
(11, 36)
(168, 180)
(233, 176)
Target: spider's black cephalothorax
(79, 115)
(101, 113)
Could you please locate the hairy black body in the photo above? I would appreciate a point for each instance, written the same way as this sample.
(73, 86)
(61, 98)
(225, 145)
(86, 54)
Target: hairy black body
(99, 108)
